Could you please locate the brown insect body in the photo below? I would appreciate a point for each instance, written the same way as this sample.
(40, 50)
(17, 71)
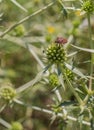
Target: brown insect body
(61, 40)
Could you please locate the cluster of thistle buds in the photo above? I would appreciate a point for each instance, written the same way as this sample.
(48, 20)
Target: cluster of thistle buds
(7, 93)
(88, 6)
(55, 52)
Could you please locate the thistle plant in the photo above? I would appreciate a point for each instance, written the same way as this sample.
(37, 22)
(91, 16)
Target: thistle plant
(66, 79)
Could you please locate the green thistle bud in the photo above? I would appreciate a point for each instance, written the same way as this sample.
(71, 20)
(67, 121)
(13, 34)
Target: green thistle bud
(16, 126)
(88, 6)
(7, 93)
(19, 31)
(69, 74)
(55, 53)
(53, 80)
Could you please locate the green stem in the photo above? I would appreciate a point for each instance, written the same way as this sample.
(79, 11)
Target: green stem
(25, 19)
(73, 90)
(46, 111)
(4, 123)
(91, 46)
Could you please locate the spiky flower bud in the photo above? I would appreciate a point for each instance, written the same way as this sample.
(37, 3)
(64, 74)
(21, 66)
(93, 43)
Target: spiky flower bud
(7, 93)
(56, 53)
(19, 31)
(88, 6)
(16, 126)
(69, 74)
(53, 80)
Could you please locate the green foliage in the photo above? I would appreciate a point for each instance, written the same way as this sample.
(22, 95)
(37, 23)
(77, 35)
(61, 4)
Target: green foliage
(60, 88)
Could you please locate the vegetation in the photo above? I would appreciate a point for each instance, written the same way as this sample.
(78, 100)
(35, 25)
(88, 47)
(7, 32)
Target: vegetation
(46, 65)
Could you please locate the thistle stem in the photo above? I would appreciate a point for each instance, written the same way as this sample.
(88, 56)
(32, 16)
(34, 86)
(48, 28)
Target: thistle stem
(91, 46)
(50, 112)
(4, 123)
(25, 19)
(73, 91)
(60, 99)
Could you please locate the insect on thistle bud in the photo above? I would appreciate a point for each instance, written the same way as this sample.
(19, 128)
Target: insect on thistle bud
(61, 40)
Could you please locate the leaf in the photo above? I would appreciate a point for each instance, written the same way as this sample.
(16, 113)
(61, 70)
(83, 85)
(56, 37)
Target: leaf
(61, 81)
(4, 123)
(92, 124)
(2, 108)
(1, 14)
(67, 103)
(31, 83)
(32, 51)
(19, 5)
(47, 67)
(83, 49)
(65, 12)
(60, 77)
(19, 102)
(78, 90)
(75, 70)
(80, 119)
(72, 54)
(8, 47)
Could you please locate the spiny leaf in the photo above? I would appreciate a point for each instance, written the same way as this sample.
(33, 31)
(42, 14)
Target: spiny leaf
(19, 5)
(65, 13)
(67, 103)
(75, 70)
(83, 49)
(31, 83)
(92, 124)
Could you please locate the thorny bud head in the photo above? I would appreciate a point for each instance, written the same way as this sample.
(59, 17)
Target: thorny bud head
(16, 126)
(19, 30)
(88, 6)
(69, 74)
(53, 80)
(7, 93)
(56, 53)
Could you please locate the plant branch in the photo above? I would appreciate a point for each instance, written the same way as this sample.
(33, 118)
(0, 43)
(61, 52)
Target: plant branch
(73, 91)
(4, 123)
(25, 19)
(60, 99)
(30, 83)
(50, 112)
(91, 46)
